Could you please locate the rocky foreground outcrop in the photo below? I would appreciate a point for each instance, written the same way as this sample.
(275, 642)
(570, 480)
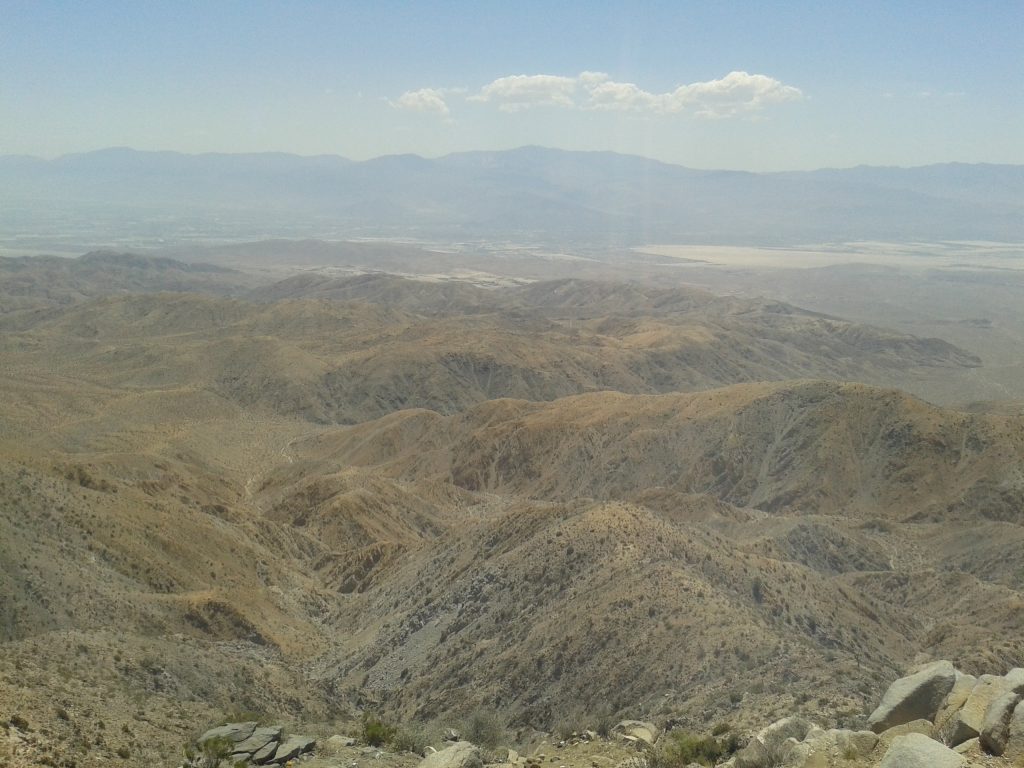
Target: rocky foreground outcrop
(935, 717)
(250, 744)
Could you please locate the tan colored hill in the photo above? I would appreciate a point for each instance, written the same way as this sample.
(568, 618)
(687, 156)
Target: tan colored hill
(350, 361)
(811, 447)
(186, 530)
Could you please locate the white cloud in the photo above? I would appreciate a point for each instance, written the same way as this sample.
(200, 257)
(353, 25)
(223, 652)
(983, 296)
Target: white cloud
(423, 100)
(517, 92)
(736, 93)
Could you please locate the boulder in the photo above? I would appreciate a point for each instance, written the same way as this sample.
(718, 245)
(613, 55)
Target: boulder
(915, 697)
(852, 744)
(996, 726)
(967, 723)
(1015, 680)
(773, 742)
(956, 698)
(1015, 733)
(636, 730)
(233, 732)
(886, 738)
(774, 735)
(292, 747)
(970, 747)
(461, 754)
(259, 738)
(264, 755)
(824, 749)
(915, 750)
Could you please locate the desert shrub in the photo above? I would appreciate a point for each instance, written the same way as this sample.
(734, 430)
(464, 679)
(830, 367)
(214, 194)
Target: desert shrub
(680, 748)
(210, 754)
(604, 721)
(485, 729)
(721, 728)
(413, 737)
(376, 732)
(778, 754)
(757, 590)
(19, 722)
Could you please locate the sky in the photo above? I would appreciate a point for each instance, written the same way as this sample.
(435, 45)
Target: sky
(741, 85)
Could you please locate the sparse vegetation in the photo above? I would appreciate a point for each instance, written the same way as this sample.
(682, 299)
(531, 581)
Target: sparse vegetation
(412, 737)
(484, 728)
(213, 753)
(679, 748)
(376, 732)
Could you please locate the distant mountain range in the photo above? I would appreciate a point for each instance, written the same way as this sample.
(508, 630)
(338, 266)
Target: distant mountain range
(538, 194)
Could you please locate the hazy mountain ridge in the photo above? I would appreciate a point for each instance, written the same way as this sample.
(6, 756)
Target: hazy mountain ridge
(352, 360)
(545, 194)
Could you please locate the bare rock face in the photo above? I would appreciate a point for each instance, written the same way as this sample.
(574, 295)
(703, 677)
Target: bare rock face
(232, 732)
(969, 720)
(292, 747)
(260, 738)
(995, 729)
(955, 700)
(915, 697)
(1015, 733)
(461, 754)
(246, 743)
(915, 750)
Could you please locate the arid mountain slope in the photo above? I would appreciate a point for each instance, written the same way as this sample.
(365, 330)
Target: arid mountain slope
(187, 529)
(349, 361)
(808, 447)
(42, 282)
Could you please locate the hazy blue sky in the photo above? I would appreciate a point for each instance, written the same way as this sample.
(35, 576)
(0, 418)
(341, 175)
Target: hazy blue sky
(711, 84)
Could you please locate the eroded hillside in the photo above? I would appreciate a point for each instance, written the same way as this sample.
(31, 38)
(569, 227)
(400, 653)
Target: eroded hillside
(543, 500)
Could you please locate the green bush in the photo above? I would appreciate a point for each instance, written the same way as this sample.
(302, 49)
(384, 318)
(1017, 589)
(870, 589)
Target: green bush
(680, 748)
(376, 732)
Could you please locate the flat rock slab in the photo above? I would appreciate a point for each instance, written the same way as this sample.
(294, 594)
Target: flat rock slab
(915, 750)
(259, 739)
(292, 747)
(265, 755)
(915, 697)
(233, 732)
